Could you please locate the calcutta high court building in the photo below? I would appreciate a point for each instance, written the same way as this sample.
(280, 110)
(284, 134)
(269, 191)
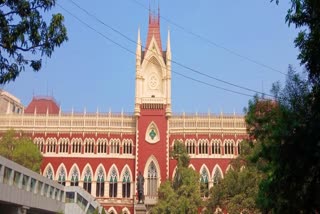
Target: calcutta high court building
(104, 152)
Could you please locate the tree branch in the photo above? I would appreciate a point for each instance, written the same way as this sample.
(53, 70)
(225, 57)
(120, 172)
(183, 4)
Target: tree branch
(26, 49)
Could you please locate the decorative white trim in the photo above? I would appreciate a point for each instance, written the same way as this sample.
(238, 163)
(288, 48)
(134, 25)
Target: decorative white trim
(84, 171)
(125, 210)
(71, 170)
(152, 133)
(58, 171)
(97, 171)
(49, 165)
(217, 167)
(112, 209)
(208, 172)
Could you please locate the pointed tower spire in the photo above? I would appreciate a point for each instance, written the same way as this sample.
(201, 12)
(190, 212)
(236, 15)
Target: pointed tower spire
(154, 27)
(139, 47)
(168, 53)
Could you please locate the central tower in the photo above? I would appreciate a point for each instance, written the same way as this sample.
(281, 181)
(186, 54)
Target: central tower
(152, 108)
(153, 69)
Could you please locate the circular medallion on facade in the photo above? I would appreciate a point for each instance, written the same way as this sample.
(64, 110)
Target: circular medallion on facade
(153, 81)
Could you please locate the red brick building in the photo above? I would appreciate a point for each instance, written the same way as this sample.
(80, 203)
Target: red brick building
(103, 152)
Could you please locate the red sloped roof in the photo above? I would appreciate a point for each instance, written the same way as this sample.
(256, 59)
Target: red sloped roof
(41, 105)
(154, 30)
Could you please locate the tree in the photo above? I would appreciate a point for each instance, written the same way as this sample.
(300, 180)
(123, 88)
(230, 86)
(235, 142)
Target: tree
(24, 34)
(290, 146)
(238, 191)
(183, 194)
(20, 150)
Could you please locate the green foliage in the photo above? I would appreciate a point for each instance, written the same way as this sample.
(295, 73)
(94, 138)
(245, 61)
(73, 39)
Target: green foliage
(24, 33)
(183, 194)
(288, 134)
(238, 191)
(20, 150)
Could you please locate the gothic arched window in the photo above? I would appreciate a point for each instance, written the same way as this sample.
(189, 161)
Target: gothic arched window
(100, 183)
(204, 184)
(152, 182)
(62, 176)
(87, 180)
(115, 146)
(74, 177)
(113, 184)
(126, 184)
(102, 145)
(216, 147)
(217, 176)
(49, 173)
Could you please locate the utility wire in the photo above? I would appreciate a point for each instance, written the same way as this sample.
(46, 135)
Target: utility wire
(213, 43)
(128, 50)
(173, 61)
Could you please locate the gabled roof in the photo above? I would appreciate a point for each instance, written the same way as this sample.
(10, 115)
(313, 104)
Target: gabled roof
(42, 105)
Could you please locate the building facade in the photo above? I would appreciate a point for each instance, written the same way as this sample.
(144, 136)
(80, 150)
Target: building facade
(9, 104)
(104, 152)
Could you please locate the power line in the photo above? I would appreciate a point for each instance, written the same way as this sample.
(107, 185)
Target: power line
(128, 50)
(213, 43)
(173, 61)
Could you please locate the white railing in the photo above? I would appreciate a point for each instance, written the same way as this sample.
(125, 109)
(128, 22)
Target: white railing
(69, 122)
(184, 123)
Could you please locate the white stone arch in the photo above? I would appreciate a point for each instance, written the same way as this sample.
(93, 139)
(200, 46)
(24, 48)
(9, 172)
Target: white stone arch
(127, 146)
(125, 210)
(76, 140)
(110, 170)
(192, 167)
(204, 166)
(84, 171)
(76, 145)
(216, 146)
(112, 209)
(238, 141)
(229, 167)
(205, 180)
(174, 140)
(191, 146)
(101, 140)
(152, 133)
(154, 59)
(131, 186)
(51, 140)
(230, 141)
(46, 170)
(114, 144)
(203, 146)
(51, 143)
(174, 171)
(229, 146)
(156, 163)
(63, 145)
(97, 171)
(151, 159)
(74, 166)
(123, 171)
(101, 145)
(40, 142)
(89, 145)
(61, 166)
(217, 167)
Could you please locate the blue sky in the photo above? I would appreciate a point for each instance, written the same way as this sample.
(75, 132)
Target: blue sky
(91, 72)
